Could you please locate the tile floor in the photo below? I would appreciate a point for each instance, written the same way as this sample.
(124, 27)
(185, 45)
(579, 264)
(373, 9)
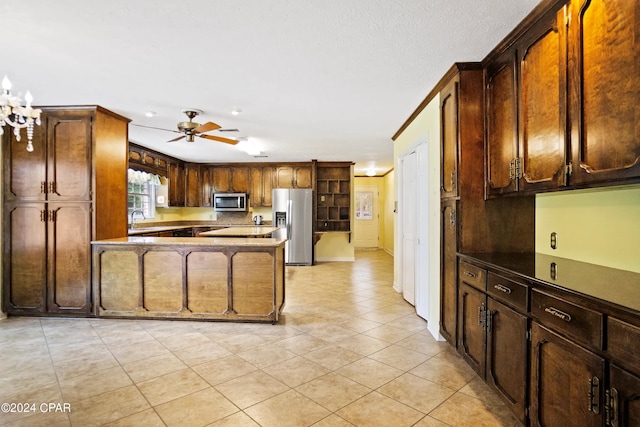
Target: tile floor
(348, 351)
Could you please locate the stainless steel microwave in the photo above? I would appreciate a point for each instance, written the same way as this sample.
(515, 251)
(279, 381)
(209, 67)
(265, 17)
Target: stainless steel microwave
(230, 202)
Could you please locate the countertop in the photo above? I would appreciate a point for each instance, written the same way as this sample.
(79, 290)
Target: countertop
(192, 241)
(620, 287)
(258, 231)
(142, 229)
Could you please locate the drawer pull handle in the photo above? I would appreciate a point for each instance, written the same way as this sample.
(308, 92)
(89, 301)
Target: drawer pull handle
(561, 314)
(502, 288)
(469, 274)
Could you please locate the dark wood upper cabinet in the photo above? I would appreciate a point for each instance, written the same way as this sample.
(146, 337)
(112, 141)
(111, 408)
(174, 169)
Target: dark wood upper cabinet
(542, 160)
(221, 179)
(206, 188)
(193, 185)
(501, 125)
(176, 183)
(449, 139)
(240, 179)
(604, 47)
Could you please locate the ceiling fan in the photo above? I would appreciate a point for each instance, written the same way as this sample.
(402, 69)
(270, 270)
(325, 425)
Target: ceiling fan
(192, 129)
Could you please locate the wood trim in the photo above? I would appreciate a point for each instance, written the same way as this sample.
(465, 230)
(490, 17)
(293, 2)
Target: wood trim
(543, 8)
(455, 69)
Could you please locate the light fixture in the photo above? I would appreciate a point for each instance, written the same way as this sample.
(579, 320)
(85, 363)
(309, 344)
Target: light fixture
(23, 117)
(150, 113)
(371, 172)
(236, 111)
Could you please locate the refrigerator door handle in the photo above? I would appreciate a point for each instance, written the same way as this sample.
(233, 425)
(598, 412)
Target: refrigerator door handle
(289, 210)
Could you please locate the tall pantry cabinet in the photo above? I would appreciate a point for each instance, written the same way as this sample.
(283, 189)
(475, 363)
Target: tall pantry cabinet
(70, 190)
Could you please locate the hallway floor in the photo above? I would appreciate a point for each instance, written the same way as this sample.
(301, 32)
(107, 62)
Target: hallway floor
(348, 351)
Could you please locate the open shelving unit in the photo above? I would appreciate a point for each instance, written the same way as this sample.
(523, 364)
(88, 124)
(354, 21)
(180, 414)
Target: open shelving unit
(333, 197)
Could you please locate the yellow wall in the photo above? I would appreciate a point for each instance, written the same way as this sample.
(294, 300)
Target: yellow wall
(387, 239)
(598, 226)
(426, 126)
(334, 247)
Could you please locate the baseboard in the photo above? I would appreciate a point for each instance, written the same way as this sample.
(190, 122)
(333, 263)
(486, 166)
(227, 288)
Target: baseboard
(387, 251)
(332, 259)
(396, 287)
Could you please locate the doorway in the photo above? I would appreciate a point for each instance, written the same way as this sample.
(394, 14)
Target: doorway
(366, 227)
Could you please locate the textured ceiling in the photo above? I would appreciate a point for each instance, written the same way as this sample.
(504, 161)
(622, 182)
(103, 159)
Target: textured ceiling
(315, 79)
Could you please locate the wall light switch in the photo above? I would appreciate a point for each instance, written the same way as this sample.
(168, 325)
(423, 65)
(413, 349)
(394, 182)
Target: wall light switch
(322, 198)
(554, 240)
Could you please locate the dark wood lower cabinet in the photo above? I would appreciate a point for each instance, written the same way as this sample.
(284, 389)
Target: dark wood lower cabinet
(48, 258)
(623, 397)
(471, 327)
(567, 382)
(449, 282)
(507, 356)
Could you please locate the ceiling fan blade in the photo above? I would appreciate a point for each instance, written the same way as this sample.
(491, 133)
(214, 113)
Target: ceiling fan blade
(206, 127)
(153, 127)
(177, 139)
(220, 139)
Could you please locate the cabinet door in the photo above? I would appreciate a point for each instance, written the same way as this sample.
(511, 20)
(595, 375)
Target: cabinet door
(471, 327)
(448, 280)
(507, 349)
(205, 186)
(542, 59)
(69, 257)
(25, 173)
(176, 184)
(624, 390)
(501, 122)
(193, 188)
(25, 258)
(604, 40)
(221, 176)
(302, 177)
(240, 178)
(283, 177)
(267, 185)
(449, 139)
(69, 157)
(255, 194)
(564, 378)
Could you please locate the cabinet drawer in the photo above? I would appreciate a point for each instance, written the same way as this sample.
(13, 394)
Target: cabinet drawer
(623, 343)
(580, 323)
(472, 275)
(508, 291)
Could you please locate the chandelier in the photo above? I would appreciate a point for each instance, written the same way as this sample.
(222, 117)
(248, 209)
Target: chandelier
(12, 113)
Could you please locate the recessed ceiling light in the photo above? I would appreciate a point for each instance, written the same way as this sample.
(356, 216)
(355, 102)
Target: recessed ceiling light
(371, 172)
(236, 111)
(150, 113)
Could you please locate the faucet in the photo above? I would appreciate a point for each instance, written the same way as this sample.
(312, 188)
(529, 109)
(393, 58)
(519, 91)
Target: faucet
(133, 221)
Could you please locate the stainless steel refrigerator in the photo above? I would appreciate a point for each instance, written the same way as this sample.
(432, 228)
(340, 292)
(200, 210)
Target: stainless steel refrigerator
(292, 212)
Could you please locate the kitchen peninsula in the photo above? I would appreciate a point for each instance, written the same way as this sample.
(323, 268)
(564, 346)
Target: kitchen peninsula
(204, 278)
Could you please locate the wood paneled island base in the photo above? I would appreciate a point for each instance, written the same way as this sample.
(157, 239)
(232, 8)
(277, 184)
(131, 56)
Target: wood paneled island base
(233, 279)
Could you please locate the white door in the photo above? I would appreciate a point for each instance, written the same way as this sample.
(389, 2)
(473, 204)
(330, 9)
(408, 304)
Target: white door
(422, 230)
(366, 230)
(409, 237)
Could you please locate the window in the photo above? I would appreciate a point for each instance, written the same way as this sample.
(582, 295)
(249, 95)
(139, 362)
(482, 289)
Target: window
(141, 196)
